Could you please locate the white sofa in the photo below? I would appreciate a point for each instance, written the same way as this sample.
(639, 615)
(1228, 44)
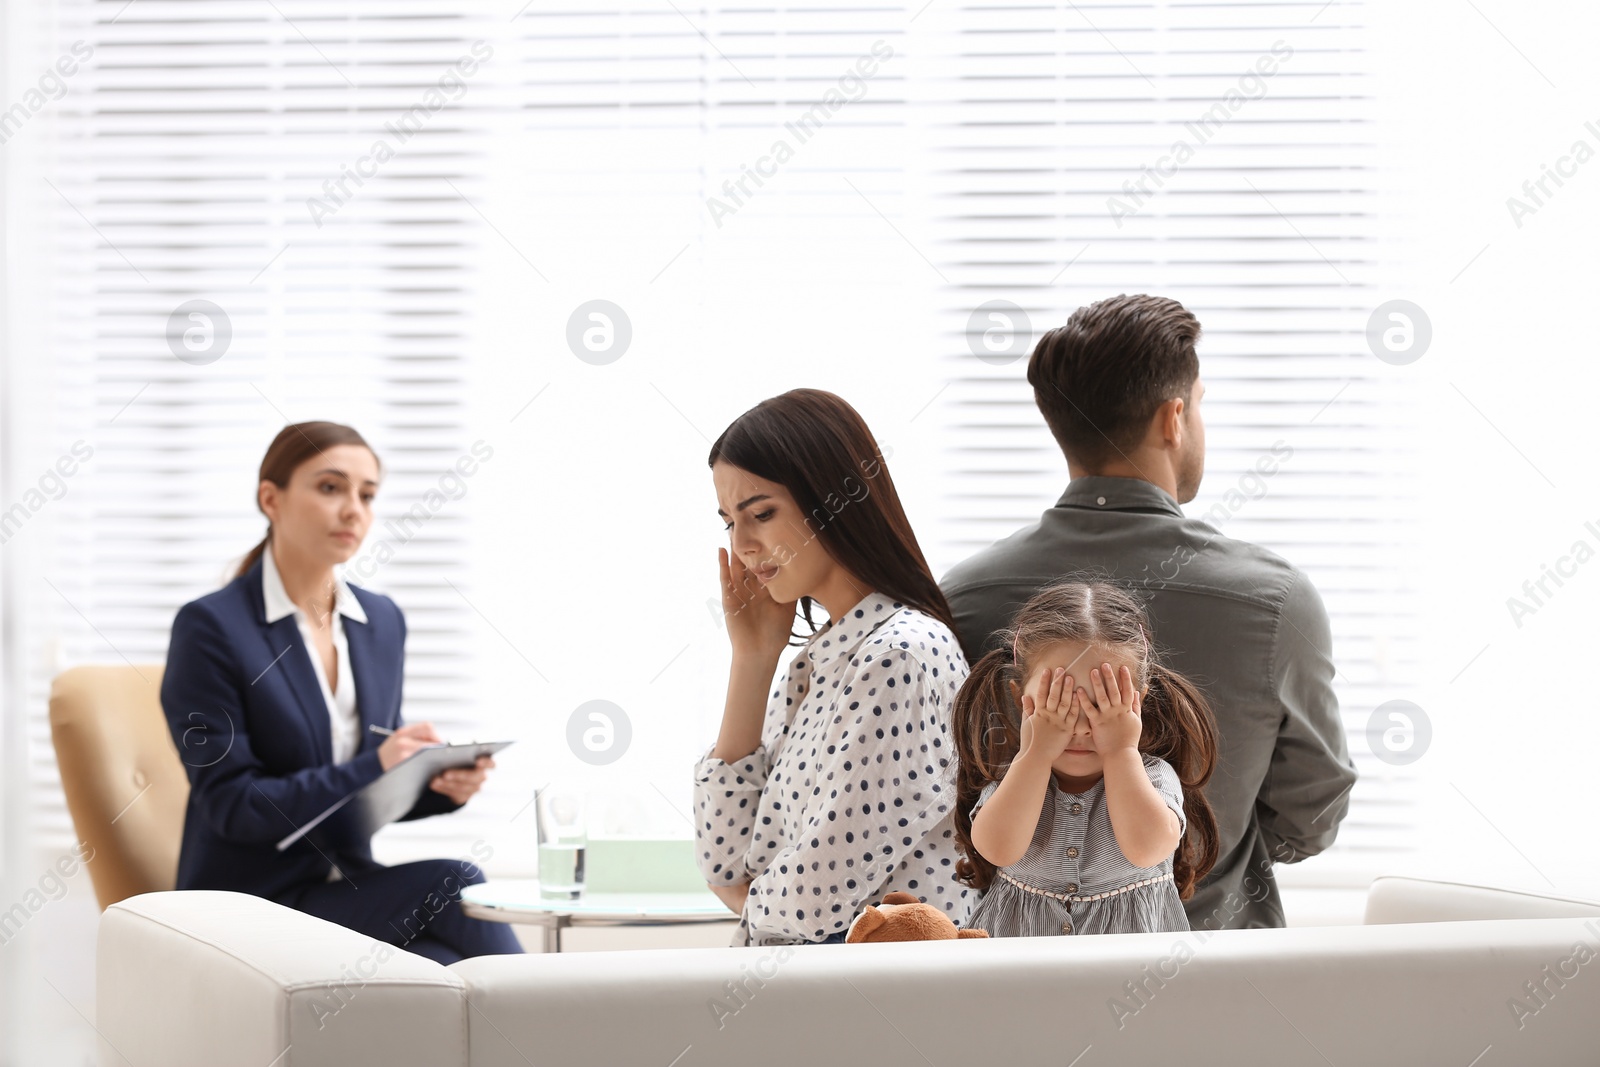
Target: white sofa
(1435, 975)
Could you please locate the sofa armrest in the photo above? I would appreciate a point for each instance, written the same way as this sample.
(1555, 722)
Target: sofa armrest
(1397, 899)
(210, 979)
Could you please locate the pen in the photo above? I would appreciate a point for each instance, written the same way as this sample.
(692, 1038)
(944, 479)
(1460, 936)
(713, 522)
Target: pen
(386, 732)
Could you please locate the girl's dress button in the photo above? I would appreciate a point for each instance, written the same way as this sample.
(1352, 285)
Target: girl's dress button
(1066, 927)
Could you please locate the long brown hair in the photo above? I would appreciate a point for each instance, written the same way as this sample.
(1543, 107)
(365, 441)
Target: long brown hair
(818, 447)
(1176, 723)
(295, 444)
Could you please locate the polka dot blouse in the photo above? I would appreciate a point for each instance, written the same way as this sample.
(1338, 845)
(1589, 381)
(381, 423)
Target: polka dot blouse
(850, 794)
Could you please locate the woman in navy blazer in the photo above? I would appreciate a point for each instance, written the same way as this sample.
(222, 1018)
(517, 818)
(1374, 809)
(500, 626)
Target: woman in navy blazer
(259, 722)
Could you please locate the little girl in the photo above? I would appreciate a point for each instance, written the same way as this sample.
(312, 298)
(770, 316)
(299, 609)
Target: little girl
(1080, 762)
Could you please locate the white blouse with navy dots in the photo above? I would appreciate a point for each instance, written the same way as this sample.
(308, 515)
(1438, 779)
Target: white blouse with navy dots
(850, 794)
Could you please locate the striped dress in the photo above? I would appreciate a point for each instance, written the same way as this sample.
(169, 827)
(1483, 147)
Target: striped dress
(1074, 879)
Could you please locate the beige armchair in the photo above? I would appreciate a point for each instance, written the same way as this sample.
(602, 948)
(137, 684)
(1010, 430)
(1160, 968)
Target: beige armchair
(125, 785)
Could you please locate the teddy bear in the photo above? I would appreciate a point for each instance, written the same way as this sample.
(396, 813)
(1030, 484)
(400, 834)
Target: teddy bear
(902, 917)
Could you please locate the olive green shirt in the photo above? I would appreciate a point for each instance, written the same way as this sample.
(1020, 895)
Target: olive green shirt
(1243, 624)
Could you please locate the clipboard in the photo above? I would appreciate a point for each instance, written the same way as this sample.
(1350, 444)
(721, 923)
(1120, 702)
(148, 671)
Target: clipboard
(390, 795)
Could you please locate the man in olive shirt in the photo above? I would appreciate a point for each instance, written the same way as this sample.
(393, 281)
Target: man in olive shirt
(1119, 386)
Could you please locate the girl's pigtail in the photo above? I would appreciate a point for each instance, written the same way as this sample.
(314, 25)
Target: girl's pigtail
(1178, 727)
(988, 735)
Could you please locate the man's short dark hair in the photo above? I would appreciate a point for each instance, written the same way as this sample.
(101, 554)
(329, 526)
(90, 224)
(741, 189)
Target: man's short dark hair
(1099, 379)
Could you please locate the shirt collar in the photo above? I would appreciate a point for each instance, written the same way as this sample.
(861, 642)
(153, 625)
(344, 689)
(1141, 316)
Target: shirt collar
(1098, 492)
(867, 614)
(277, 599)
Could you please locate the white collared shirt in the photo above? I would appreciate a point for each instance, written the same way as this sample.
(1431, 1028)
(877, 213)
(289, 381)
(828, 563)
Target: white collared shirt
(345, 722)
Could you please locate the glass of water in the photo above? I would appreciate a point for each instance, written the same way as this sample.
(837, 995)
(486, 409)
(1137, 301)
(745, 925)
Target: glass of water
(563, 834)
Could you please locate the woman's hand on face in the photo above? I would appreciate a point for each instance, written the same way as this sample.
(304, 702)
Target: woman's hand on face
(1113, 710)
(1047, 720)
(403, 742)
(461, 782)
(756, 623)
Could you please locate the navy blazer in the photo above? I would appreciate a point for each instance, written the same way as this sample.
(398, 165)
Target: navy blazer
(247, 715)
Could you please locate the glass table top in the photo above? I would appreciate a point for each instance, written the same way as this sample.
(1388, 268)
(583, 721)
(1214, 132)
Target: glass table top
(524, 895)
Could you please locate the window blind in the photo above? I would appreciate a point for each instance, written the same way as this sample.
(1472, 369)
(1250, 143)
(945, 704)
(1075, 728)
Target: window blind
(770, 164)
(288, 166)
(1223, 155)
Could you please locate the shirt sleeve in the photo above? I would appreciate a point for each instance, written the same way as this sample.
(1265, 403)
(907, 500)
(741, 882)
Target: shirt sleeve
(1165, 779)
(983, 798)
(881, 792)
(1306, 792)
(726, 796)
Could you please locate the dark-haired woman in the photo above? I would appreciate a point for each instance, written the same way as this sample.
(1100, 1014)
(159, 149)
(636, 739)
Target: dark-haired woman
(835, 788)
(271, 687)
